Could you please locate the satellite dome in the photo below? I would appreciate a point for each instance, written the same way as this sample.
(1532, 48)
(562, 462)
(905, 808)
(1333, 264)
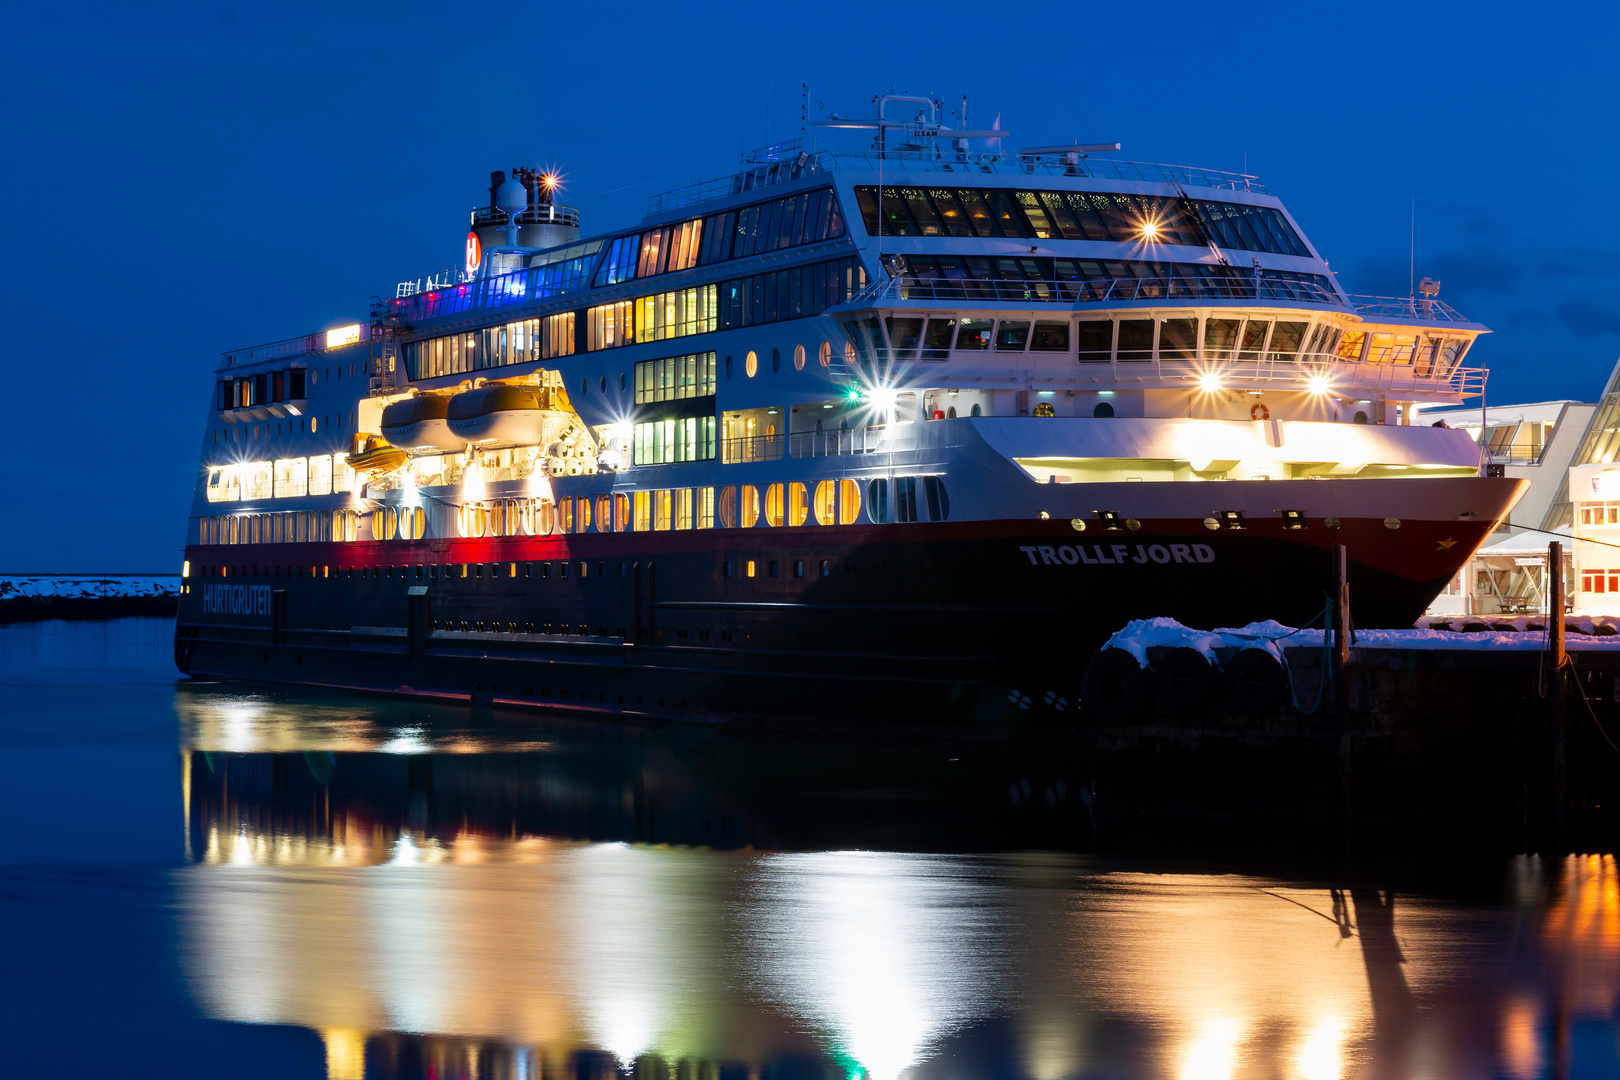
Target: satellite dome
(512, 197)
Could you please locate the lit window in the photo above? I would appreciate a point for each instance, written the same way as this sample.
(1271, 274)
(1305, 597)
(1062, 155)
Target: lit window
(728, 508)
(773, 505)
(798, 357)
(751, 364)
(663, 511)
(703, 510)
(827, 502)
(750, 505)
(825, 353)
(798, 508)
(748, 568)
(849, 502)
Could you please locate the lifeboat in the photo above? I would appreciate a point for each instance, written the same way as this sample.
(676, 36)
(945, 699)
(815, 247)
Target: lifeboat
(419, 423)
(372, 453)
(499, 414)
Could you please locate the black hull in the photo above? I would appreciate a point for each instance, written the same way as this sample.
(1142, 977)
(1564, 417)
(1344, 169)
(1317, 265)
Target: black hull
(977, 625)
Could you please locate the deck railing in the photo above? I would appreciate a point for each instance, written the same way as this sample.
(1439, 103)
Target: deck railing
(838, 443)
(754, 448)
(1242, 285)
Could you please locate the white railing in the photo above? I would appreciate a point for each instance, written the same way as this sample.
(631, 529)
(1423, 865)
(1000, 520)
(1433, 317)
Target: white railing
(1240, 285)
(799, 158)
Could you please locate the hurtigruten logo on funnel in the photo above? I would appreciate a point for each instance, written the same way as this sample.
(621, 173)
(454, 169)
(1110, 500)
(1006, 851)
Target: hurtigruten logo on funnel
(1115, 554)
(475, 252)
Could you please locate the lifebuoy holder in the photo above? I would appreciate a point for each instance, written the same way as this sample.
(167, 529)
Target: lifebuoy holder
(1258, 411)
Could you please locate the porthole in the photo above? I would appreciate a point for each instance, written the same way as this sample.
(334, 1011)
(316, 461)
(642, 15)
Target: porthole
(1103, 409)
(751, 364)
(602, 384)
(1392, 523)
(798, 358)
(825, 354)
(976, 410)
(1331, 523)
(1211, 524)
(584, 387)
(1078, 524)
(728, 365)
(621, 382)
(776, 369)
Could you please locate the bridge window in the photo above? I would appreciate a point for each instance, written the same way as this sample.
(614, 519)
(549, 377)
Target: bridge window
(1136, 339)
(1012, 335)
(1220, 336)
(1254, 338)
(1050, 337)
(1178, 339)
(1094, 339)
(975, 334)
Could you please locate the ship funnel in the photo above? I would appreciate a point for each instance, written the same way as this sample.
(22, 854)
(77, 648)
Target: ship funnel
(522, 213)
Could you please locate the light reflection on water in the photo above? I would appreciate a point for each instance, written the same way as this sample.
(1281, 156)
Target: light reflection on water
(452, 894)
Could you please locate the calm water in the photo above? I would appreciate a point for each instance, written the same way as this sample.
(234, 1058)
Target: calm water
(221, 880)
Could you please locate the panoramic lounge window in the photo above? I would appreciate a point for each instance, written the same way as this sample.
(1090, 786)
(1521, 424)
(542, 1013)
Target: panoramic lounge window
(1094, 340)
(1114, 217)
(1178, 339)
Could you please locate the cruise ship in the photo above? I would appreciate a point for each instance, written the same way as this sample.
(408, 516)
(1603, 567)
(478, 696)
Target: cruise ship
(895, 421)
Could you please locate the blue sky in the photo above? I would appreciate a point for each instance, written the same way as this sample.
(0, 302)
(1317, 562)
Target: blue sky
(183, 179)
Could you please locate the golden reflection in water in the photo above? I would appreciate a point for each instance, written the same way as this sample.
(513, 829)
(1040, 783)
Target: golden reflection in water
(1234, 975)
(1582, 926)
(545, 948)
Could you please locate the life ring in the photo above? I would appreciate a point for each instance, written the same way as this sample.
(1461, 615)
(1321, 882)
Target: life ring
(1258, 411)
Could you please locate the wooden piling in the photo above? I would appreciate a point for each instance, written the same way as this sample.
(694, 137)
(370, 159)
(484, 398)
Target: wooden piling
(1340, 629)
(1555, 646)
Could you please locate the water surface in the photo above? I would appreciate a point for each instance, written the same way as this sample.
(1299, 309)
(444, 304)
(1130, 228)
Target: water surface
(229, 880)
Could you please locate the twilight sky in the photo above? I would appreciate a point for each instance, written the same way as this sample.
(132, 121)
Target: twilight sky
(181, 179)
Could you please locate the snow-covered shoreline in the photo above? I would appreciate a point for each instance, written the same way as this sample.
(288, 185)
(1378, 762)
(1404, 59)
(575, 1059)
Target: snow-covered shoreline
(31, 597)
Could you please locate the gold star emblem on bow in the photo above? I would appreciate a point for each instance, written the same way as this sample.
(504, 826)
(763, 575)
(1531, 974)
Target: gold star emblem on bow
(1447, 544)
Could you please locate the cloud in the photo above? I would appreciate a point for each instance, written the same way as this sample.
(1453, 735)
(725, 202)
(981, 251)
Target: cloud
(1588, 318)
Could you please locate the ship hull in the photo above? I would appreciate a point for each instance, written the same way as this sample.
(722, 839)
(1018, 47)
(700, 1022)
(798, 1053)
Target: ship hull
(936, 623)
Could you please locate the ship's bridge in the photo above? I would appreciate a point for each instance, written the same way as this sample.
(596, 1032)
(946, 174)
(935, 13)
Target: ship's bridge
(1167, 347)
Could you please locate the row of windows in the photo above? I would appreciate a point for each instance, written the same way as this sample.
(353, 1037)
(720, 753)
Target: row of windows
(675, 378)
(1607, 514)
(1077, 215)
(266, 388)
(504, 290)
(900, 499)
(1095, 340)
(680, 313)
(285, 478)
(304, 527)
(668, 442)
(301, 425)
(771, 226)
(794, 293)
(1600, 581)
(1030, 277)
(474, 350)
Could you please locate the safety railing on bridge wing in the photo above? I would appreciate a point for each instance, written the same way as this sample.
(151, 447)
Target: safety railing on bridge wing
(838, 443)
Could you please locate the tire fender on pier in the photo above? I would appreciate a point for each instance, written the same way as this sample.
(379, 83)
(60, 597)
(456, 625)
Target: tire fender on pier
(1184, 679)
(1253, 682)
(1115, 687)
